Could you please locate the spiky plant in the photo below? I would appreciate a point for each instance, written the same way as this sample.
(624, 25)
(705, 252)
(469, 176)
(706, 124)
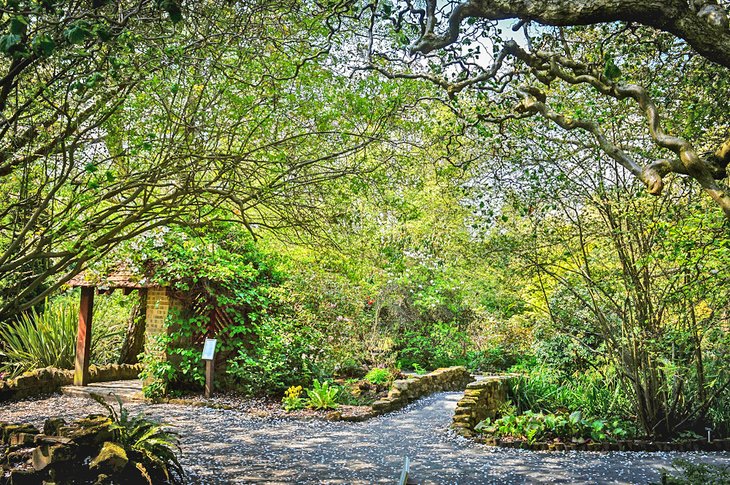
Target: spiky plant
(153, 448)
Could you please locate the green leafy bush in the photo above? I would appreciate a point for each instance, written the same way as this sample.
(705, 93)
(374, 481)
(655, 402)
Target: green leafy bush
(593, 393)
(534, 427)
(688, 473)
(147, 443)
(48, 337)
(379, 376)
(322, 395)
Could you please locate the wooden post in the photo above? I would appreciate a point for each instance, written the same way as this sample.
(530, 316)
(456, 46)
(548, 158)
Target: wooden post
(209, 377)
(83, 337)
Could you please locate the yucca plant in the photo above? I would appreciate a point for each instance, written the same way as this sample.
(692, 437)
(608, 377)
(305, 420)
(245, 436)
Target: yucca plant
(40, 339)
(48, 338)
(322, 396)
(153, 448)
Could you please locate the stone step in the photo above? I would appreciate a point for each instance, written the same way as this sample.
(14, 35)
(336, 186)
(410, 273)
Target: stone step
(127, 391)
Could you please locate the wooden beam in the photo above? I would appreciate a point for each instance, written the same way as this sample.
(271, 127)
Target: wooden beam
(83, 337)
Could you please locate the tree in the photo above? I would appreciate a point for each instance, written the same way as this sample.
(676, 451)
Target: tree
(462, 46)
(119, 127)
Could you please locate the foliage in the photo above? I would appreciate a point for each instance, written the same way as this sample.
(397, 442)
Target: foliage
(688, 473)
(534, 427)
(146, 442)
(157, 371)
(47, 337)
(322, 395)
(293, 399)
(544, 389)
(379, 376)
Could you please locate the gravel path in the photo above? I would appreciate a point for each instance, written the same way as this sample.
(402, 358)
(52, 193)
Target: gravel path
(223, 446)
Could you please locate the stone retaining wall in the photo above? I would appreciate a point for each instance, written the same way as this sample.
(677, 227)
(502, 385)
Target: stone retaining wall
(482, 399)
(405, 391)
(50, 379)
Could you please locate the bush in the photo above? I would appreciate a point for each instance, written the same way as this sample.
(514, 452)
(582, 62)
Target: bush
(534, 427)
(322, 396)
(696, 474)
(147, 443)
(595, 394)
(47, 338)
(379, 377)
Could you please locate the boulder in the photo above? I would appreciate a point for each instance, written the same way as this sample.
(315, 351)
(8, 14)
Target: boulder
(111, 458)
(27, 476)
(45, 455)
(90, 431)
(10, 429)
(22, 439)
(52, 426)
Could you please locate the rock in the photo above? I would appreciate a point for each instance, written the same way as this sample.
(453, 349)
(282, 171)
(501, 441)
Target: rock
(22, 439)
(45, 455)
(42, 439)
(52, 426)
(11, 429)
(333, 416)
(111, 458)
(21, 476)
(90, 431)
(20, 456)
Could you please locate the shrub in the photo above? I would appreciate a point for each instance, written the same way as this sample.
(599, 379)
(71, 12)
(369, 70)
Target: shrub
(47, 338)
(691, 474)
(534, 427)
(594, 394)
(322, 396)
(147, 443)
(293, 399)
(379, 376)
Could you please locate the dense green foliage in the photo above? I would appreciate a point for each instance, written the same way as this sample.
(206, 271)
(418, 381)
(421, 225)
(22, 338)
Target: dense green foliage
(152, 448)
(327, 206)
(534, 427)
(47, 337)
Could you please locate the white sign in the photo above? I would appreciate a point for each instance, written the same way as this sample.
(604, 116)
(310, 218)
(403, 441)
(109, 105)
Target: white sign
(209, 349)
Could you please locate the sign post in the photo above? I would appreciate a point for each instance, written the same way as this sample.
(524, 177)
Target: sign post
(208, 357)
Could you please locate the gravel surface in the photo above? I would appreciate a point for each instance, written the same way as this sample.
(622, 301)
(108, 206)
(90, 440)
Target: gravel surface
(227, 446)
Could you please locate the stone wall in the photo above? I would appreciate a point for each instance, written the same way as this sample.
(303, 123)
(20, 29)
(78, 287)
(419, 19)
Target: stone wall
(405, 391)
(50, 380)
(482, 399)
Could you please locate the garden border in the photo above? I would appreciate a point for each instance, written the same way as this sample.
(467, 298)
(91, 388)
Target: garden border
(50, 379)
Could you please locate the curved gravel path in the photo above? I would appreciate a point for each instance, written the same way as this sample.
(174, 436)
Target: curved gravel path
(222, 446)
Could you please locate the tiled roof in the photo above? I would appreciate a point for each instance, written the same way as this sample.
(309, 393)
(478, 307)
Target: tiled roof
(121, 277)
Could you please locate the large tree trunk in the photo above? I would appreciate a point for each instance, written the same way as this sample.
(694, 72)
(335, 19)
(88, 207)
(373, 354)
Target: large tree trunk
(134, 339)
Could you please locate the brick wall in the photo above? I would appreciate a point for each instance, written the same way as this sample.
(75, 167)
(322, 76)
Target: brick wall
(159, 305)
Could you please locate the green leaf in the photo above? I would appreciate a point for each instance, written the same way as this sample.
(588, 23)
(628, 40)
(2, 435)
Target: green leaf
(611, 70)
(77, 32)
(43, 45)
(8, 42)
(18, 25)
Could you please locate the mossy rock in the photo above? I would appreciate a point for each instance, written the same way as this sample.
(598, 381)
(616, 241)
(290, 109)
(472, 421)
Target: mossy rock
(111, 458)
(45, 455)
(10, 429)
(52, 426)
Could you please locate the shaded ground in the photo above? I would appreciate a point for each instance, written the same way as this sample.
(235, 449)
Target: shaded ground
(226, 446)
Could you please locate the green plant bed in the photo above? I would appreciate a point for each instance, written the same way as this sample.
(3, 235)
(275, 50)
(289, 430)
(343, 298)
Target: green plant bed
(536, 427)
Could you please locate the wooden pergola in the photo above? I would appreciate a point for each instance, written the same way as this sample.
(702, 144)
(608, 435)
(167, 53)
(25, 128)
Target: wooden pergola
(121, 278)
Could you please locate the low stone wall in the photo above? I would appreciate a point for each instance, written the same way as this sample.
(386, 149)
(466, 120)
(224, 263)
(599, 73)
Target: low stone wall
(405, 391)
(50, 379)
(482, 399)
